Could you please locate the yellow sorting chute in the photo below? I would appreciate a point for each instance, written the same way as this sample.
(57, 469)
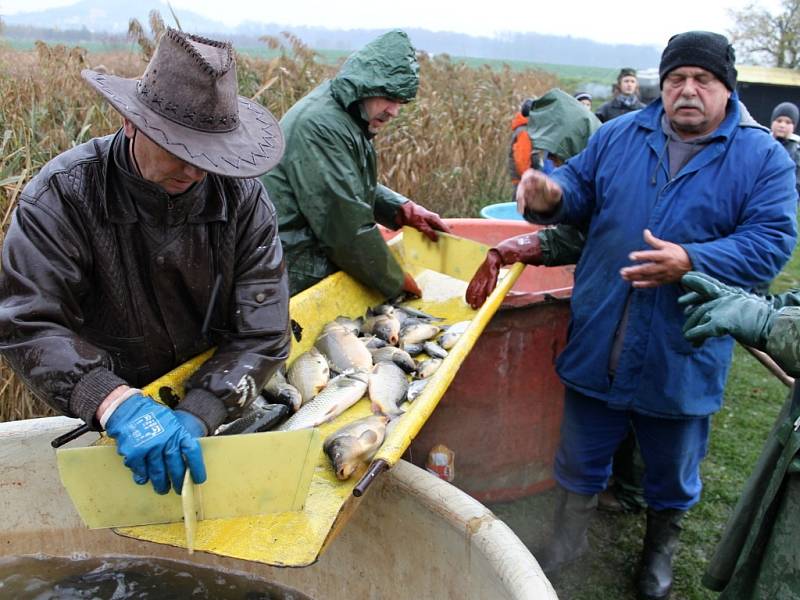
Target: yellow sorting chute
(442, 270)
(248, 475)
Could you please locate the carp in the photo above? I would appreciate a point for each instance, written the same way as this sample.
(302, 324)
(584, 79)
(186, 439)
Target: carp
(354, 444)
(340, 394)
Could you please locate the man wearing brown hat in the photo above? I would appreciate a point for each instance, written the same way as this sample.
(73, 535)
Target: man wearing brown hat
(690, 182)
(626, 98)
(326, 188)
(134, 252)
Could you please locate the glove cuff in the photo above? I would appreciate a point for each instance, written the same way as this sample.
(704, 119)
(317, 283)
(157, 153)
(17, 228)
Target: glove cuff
(205, 406)
(89, 393)
(525, 248)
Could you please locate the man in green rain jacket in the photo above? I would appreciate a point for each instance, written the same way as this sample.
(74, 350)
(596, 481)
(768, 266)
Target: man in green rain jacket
(325, 189)
(758, 556)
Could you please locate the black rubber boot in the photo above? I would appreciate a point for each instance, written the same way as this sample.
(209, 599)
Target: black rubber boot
(660, 541)
(570, 523)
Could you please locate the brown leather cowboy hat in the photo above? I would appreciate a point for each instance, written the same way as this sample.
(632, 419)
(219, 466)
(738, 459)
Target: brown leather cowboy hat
(187, 103)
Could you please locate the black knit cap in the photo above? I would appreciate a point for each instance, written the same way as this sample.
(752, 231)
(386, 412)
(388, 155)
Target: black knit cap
(704, 49)
(785, 109)
(626, 72)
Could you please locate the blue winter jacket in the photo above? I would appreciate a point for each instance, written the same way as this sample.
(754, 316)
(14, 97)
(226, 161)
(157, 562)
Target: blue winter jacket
(732, 207)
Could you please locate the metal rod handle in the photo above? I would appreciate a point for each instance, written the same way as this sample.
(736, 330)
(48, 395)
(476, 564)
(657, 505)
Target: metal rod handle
(375, 469)
(70, 435)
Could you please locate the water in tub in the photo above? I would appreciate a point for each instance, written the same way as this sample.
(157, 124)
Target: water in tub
(126, 578)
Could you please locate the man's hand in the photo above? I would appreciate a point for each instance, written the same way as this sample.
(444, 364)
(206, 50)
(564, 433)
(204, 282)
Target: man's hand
(666, 263)
(523, 248)
(412, 214)
(716, 309)
(410, 286)
(157, 443)
(536, 192)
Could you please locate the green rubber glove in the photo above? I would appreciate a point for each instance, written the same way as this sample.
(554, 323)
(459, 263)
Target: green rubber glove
(715, 309)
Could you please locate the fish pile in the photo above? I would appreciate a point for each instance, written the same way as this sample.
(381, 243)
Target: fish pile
(372, 355)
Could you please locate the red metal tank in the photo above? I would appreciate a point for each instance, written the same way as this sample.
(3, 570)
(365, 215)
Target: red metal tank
(502, 413)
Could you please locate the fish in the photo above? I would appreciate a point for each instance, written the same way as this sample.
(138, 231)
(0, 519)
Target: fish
(413, 312)
(434, 350)
(415, 388)
(428, 367)
(399, 357)
(278, 391)
(387, 388)
(386, 327)
(352, 325)
(340, 394)
(412, 349)
(355, 444)
(309, 373)
(256, 420)
(373, 342)
(452, 333)
(417, 332)
(343, 349)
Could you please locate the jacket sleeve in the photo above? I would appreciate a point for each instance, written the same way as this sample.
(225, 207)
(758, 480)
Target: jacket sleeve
(783, 343)
(765, 236)
(258, 340)
(561, 245)
(387, 201)
(327, 178)
(43, 280)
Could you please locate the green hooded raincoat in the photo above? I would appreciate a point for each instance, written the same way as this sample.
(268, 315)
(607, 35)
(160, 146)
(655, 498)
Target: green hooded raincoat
(759, 555)
(325, 189)
(562, 126)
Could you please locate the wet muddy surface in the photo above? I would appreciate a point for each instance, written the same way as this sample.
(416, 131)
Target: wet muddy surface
(125, 578)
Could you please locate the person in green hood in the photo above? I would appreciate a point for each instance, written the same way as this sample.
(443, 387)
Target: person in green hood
(325, 189)
(560, 128)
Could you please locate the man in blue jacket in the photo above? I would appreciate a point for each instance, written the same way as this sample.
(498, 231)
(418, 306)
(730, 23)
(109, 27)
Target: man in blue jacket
(689, 183)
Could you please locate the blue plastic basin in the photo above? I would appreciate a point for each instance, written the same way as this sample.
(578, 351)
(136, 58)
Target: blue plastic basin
(506, 211)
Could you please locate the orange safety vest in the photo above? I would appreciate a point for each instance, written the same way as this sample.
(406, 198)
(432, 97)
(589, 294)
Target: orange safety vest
(519, 156)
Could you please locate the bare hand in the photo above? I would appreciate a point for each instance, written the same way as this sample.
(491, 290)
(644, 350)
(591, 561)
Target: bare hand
(666, 263)
(537, 192)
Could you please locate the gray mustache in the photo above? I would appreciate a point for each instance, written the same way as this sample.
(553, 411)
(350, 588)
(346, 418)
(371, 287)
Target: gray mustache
(684, 103)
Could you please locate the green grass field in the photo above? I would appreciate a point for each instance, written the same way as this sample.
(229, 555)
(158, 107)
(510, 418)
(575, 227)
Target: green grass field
(753, 398)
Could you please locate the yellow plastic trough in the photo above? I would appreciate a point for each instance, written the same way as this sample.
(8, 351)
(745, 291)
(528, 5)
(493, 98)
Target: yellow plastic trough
(298, 538)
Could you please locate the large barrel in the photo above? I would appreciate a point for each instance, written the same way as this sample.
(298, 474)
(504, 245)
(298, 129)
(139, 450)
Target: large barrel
(502, 413)
(412, 536)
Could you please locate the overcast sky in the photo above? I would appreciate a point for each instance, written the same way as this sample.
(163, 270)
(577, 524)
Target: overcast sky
(610, 21)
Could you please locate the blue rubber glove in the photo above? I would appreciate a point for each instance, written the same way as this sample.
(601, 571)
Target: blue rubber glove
(716, 309)
(156, 444)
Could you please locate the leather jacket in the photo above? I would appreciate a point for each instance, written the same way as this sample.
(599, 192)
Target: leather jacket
(107, 280)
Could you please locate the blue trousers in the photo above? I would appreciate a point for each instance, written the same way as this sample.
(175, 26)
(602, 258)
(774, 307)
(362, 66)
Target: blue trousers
(672, 450)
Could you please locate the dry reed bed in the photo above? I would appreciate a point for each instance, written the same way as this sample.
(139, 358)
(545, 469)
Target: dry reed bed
(447, 149)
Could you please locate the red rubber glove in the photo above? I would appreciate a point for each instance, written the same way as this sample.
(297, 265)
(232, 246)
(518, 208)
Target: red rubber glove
(413, 215)
(523, 248)
(410, 286)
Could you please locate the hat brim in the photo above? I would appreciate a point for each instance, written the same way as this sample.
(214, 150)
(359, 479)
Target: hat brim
(250, 150)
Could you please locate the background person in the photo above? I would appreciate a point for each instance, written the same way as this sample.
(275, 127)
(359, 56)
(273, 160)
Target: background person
(519, 154)
(784, 120)
(584, 98)
(326, 190)
(111, 260)
(560, 127)
(625, 98)
(706, 188)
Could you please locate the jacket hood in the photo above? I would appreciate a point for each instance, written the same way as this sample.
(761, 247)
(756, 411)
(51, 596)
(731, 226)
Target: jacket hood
(560, 124)
(387, 66)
